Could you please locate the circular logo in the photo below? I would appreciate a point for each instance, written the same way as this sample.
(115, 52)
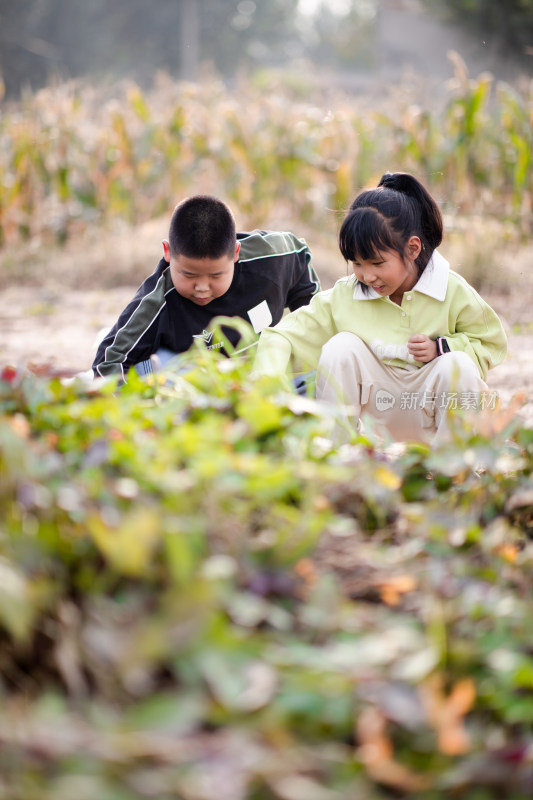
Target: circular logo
(384, 400)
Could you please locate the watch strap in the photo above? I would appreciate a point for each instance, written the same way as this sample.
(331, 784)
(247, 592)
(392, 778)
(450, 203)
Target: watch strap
(442, 345)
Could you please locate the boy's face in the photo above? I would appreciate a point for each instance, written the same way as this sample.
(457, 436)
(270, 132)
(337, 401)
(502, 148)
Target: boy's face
(201, 279)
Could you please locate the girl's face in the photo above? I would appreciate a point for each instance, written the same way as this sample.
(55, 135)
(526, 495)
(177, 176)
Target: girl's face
(388, 273)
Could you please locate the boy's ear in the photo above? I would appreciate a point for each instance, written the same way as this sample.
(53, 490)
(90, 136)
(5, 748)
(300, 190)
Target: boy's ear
(414, 247)
(166, 250)
(237, 249)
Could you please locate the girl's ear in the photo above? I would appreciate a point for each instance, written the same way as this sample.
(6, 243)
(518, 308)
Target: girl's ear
(413, 247)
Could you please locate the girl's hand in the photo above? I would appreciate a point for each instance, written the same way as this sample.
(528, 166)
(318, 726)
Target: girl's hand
(422, 348)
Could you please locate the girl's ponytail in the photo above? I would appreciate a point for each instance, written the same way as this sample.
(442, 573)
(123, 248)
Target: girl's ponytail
(430, 215)
(384, 218)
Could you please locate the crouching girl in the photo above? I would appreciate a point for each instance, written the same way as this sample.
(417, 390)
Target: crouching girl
(404, 338)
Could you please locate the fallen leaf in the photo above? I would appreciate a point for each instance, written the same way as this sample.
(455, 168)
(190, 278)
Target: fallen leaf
(391, 591)
(446, 713)
(376, 752)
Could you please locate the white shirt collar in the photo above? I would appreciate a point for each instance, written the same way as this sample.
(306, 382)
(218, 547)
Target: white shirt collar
(433, 281)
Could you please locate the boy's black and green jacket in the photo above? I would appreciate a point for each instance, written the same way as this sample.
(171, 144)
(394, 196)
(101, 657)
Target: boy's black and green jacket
(273, 268)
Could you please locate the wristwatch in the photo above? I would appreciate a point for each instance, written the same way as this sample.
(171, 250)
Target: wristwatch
(442, 345)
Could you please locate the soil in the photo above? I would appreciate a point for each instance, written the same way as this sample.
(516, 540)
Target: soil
(53, 329)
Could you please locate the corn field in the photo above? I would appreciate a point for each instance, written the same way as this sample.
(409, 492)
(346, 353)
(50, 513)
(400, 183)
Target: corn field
(71, 157)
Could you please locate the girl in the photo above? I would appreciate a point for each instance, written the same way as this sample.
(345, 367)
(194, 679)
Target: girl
(405, 338)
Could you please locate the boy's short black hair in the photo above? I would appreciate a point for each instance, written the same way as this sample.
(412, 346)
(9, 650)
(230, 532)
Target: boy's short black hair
(202, 226)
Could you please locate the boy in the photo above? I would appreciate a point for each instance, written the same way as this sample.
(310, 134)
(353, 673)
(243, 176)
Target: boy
(208, 270)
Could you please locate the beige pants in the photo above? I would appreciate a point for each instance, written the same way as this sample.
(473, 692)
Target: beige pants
(412, 404)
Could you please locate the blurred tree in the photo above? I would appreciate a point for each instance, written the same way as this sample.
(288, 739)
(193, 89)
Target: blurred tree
(40, 38)
(117, 38)
(190, 38)
(341, 32)
(24, 49)
(509, 24)
(244, 31)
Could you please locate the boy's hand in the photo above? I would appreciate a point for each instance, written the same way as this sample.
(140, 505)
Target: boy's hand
(422, 348)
